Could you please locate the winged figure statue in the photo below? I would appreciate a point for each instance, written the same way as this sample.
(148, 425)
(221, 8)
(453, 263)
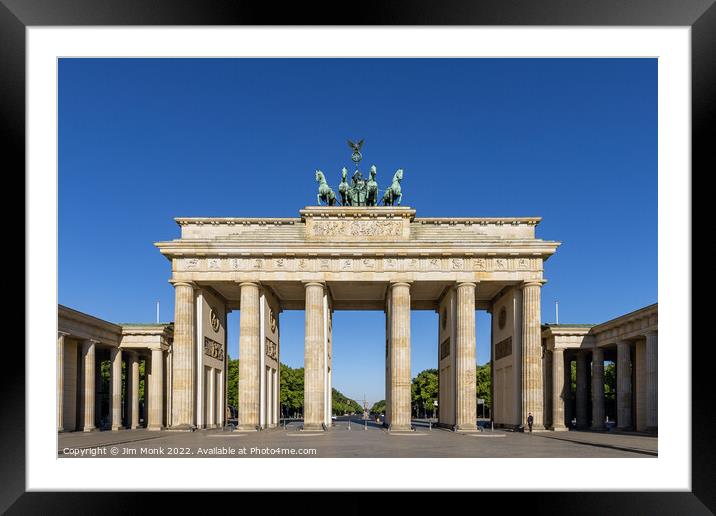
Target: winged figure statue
(356, 146)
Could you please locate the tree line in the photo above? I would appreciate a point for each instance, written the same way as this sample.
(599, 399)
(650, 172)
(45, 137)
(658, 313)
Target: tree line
(291, 392)
(424, 390)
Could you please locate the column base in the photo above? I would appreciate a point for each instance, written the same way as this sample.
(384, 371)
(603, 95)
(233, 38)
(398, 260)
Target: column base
(182, 428)
(560, 429)
(313, 427)
(117, 428)
(90, 429)
(155, 428)
(400, 428)
(247, 428)
(466, 428)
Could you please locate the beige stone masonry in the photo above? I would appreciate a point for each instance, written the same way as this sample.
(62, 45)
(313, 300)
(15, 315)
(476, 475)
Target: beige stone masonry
(466, 402)
(598, 413)
(116, 388)
(652, 381)
(400, 357)
(183, 357)
(88, 362)
(249, 356)
(156, 397)
(581, 393)
(532, 401)
(558, 394)
(624, 385)
(314, 367)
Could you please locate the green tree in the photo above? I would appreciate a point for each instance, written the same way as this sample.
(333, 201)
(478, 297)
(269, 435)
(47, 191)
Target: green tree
(424, 391)
(378, 407)
(291, 394)
(232, 380)
(483, 383)
(344, 405)
(610, 390)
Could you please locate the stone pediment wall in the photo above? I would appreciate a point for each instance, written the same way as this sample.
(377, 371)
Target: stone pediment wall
(357, 225)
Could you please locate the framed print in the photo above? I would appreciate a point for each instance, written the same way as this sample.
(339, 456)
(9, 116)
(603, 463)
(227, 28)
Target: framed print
(415, 249)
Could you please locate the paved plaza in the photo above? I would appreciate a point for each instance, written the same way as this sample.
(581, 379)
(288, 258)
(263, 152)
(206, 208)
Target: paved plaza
(356, 439)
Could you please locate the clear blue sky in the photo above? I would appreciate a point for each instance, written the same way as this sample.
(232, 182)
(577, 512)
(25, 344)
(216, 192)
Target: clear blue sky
(142, 141)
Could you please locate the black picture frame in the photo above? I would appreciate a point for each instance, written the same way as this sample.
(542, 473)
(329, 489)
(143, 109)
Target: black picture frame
(700, 15)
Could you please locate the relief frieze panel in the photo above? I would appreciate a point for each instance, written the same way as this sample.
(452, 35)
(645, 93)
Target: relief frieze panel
(360, 264)
(356, 228)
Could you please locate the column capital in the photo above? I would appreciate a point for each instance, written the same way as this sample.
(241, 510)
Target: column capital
(180, 283)
(532, 283)
(91, 341)
(249, 283)
(472, 284)
(62, 334)
(313, 283)
(651, 333)
(400, 283)
(623, 342)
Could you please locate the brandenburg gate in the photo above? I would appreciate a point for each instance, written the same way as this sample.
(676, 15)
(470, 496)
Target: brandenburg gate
(356, 257)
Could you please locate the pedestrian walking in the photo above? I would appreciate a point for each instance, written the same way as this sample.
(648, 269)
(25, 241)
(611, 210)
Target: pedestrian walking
(530, 420)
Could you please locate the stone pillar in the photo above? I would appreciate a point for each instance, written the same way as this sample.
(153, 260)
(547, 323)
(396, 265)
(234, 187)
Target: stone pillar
(116, 388)
(133, 383)
(156, 405)
(532, 391)
(314, 381)
(400, 419)
(582, 390)
(465, 394)
(183, 366)
(60, 381)
(624, 405)
(249, 356)
(652, 384)
(558, 389)
(168, 387)
(598, 389)
(548, 390)
(567, 393)
(88, 397)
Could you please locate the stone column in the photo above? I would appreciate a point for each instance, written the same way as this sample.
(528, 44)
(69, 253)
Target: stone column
(249, 356)
(314, 395)
(133, 383)
(400, 356)
(88, 397)
(183, 366)
(156, 405)
(116, 388)
(532, 391)
(465, 394)
(548, 390)
(624, 405)
(652, 384)
(60, 381)
(598, 389)
(558, 391)
(581, 389)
